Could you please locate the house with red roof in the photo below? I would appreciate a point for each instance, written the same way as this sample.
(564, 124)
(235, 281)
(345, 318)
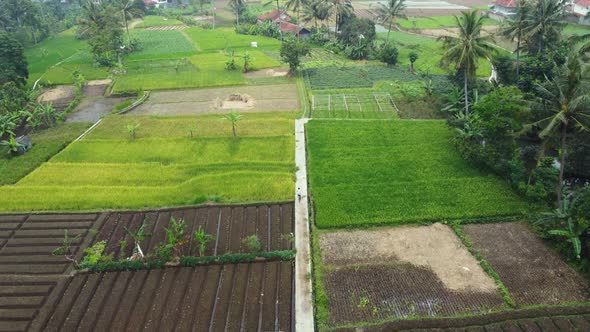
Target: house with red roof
(503, 9)
(276, 16)
(580, 10)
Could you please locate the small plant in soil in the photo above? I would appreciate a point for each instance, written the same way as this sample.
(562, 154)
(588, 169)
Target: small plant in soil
(175, 236)
(202, 239)
(137, 236)
(12, 145)
(66, 247)
(132, 130)
(288, 237)
(192, 131)
(95, 254)
(252, 243)
(122, 249)
(233, 117)
(363, 302)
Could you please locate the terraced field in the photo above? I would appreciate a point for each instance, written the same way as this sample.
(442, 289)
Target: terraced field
(164, 165)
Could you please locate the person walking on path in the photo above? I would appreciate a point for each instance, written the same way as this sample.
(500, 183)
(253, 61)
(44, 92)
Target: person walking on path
(299, 193)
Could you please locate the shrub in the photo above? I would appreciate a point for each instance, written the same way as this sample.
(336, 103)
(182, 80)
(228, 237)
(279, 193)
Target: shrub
(252, 243)
(388, 54)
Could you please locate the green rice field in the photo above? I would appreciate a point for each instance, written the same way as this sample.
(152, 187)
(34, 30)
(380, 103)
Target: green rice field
(163, 165)
(387, 172)
(156, 21)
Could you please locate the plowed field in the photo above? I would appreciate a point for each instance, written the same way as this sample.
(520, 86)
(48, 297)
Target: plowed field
(38, 291)
(533, 273)
(272, 224)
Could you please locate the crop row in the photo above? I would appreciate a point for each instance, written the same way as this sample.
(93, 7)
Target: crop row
(334, 77)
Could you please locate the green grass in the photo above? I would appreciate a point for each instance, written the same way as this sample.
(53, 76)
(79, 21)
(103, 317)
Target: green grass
(576, 29)
(201, 70)
(46, 144)
(429, 52)
(224, 38)
(434, 22)
(52, 51)
(161, 45)
(164, 166)
(157, 21)
(382, 172)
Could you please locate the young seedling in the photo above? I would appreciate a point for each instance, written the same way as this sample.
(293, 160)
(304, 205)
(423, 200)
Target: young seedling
(137, 236)
(132, 130)
(233, 117)
(252, 243)
(66, 247)
(122, 249)
(175, 235)
(202, 239)
(192, 131)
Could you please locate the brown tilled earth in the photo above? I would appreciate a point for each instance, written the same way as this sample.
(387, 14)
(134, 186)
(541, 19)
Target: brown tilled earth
(376, 292)
(399, 272)
(533, 273)
(39, 292)
(280, 97)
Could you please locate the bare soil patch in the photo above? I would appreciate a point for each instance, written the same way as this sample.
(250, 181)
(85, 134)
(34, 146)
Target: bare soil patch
(281, 97)
(376, 292)
(434, 247)
(280, 72)
(533, 273)
(96, 88)
(60, 96)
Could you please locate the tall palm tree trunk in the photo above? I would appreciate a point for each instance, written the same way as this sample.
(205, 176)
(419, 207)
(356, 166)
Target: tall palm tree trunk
(562, 141)
(389, 30)
(518, 58)
(466, 92)
(127, 28)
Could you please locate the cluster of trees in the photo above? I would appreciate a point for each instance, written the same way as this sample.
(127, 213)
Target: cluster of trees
(106, 27)
(31, 21)
(531, 125)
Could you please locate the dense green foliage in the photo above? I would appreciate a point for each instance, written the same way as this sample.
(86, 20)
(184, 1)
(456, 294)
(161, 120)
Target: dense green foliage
(381, 172)
(291, 52)
(163, 165)
(13, 65)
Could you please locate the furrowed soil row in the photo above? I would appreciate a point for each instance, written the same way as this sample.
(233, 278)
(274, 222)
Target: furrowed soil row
(272, 224)
(39, 292)
(377, 292)
(532, 273)
(214, 301)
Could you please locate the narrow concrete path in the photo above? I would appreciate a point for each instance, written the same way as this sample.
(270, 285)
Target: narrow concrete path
(303, 288)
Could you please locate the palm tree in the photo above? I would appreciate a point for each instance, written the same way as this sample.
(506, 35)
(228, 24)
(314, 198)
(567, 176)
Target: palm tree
(465, 50)
(237, 6)
(514, 29)
(544, 24)
(339, 8)
(233, 117)
(315, 10)
(125, 6)
(585, 48)
(567, 97)
(387, 12)
(295, 5)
